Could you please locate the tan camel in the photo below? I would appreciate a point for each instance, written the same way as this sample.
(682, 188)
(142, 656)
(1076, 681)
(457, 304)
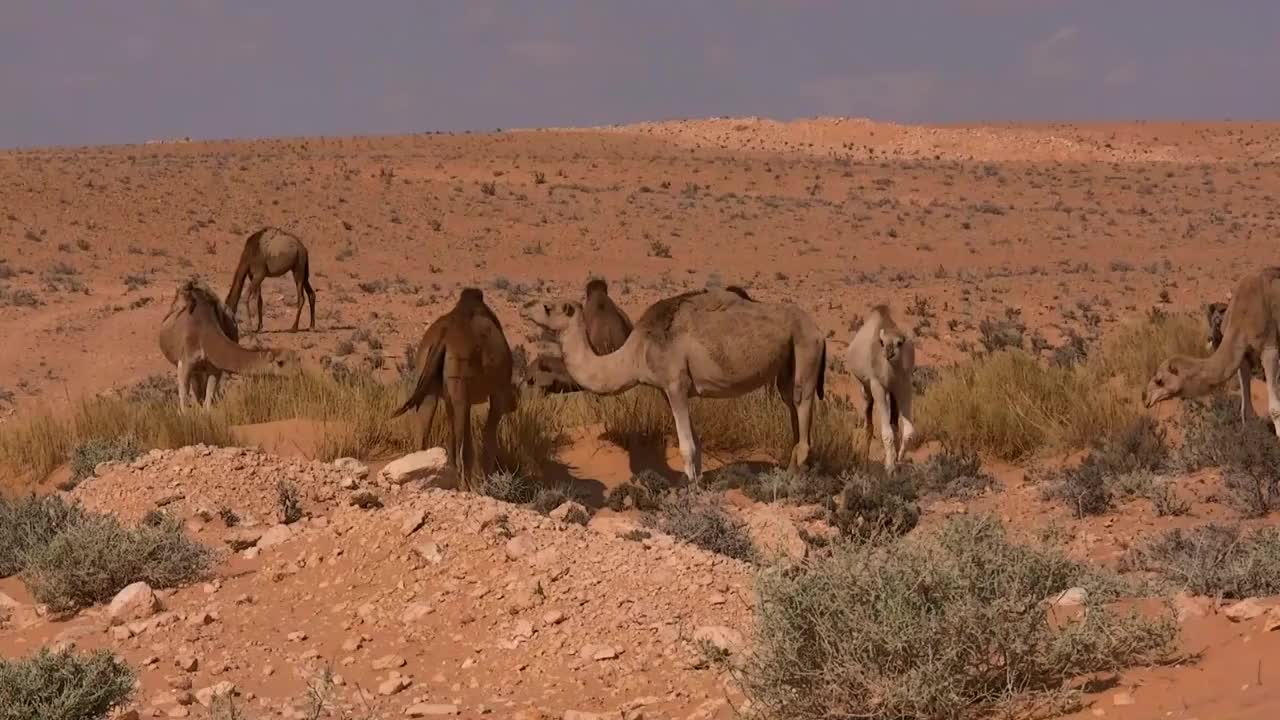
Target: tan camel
(607, 324)
(1249, 334)
(707, 343)
(548, 374)
(883, 358)
(464, 355)
(1215, 312)
(272, 252)
(198, 336)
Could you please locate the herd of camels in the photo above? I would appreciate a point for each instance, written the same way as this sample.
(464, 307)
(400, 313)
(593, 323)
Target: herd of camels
(715, 343)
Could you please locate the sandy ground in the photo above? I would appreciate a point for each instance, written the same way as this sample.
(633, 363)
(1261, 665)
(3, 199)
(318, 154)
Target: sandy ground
(1075, 228)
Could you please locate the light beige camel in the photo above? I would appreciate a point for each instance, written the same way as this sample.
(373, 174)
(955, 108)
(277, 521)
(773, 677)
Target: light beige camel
(607, 324)
(883, 358)
(547, 373)
(464, 355)
(198, 336)
(708, 343)
(272, 252)
(1249, 334)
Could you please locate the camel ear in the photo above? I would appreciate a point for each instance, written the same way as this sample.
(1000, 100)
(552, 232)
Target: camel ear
(880, 336)
(567, 309)
(1173, 370)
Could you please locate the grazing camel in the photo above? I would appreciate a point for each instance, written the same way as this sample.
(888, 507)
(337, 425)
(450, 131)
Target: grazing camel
(707, 343)
(464, 355)
(883, 358)
(272, 252)
(1249, 334)
(607, 324)
(198, 336)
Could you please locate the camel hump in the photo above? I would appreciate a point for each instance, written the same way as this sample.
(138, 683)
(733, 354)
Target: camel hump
(597, 285)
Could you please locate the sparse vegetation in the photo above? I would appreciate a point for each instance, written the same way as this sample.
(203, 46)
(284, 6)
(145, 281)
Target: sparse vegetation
(1214, 560)
(63, 685)
(900, 625)
(698, 518)
(1247, 453)
(70, 558)
(87, 455)
(289, 501)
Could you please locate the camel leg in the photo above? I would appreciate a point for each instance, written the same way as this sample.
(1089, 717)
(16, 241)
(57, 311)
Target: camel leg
(786, 389)
(1271, 369)
(1245, 375)
(489, 451)
(210, 389)
(868, 404)
(881, 397)
(461, 417)
(184, 381)
(689, 449)
(311, 301)
(297, 315)
(907, 427)
(255, 296)
(424, 418)
(804, 413)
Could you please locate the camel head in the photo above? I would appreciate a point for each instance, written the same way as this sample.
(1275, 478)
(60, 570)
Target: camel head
(282, 362)
(1215, 312)
(1170, 381)
(554, 315)
(892, 341)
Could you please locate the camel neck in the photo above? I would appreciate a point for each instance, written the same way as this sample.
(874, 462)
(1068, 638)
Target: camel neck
(1218, 368)
(600, 374)
(222, 352)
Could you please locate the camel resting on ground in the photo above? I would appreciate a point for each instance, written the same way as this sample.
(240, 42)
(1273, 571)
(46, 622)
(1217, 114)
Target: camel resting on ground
(707, 343)
(464, 355)
(1249, 334)
(272, 252)
(883, 358)
(199, 337)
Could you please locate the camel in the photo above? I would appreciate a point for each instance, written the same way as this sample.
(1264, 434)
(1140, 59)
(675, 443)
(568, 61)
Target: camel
(1249, 334)
(548, 374)
(883, 358)
(198, 335)
(706, 343)
(464, 355)
(1215, 312)
(272, 252)
(607, 324)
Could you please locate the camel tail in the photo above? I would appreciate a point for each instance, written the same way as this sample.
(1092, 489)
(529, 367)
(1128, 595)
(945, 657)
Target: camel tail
(432, 370)
(822, 372)
(242, 270)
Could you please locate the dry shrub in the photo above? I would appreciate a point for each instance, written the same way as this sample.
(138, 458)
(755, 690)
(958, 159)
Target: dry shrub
(63, 686)
(1011, 406)
(87, 455)
(756, 421)
(949, 624)
(698, 518)
(1248, 453)
(29, 523)
(1137, 349)
(90, 560)
(1214, 559)
(1119, 465)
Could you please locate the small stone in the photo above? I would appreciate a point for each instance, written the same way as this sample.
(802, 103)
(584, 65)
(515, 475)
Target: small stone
(724, 639)
(188, 663)
(120, 633)
(429, 710)
(200, 619)
(519, 546)
(553, 617)
(1122, 698)
(413, 520)
(352, 467)
(388, 662)
(1070, 597)
(430, 552)
(523, 630)
(1271, 621)
(275, 535)
(393, 685)
(366, 500)
(297, 636)
(243, 539)
(570, 512)
(415, 612)
(134, 602)
(1246, 609)
(351, 644)
(429, 465)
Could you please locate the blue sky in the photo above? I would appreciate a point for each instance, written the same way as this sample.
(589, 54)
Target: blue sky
(128, 70)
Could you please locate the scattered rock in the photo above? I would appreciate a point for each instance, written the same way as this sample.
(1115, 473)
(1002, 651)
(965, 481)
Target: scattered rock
(134, 602)
(430, 552)
(366, 500)
(1246, 609)
(352, 467)
(415, 612)
(724, 639)
(275, 535)
(427, 710)
(413, 520)
(393, 684)
(1122, 698)
(1271, 621)
(519, 546)
(1070, 597)
(388, 662)
(430, 465)
(570, 512)
(187, 663)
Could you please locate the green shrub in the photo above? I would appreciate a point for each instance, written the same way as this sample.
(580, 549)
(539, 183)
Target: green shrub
(91, 560)
(63, 686)
(1214, 559)
(30, 523)
(949, 624)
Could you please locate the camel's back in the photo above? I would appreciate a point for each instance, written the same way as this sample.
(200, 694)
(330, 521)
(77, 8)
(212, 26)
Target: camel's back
(280, 250)
(1255, 308)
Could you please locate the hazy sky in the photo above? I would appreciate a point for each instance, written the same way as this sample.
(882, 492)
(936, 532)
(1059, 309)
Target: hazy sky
(127, 70)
